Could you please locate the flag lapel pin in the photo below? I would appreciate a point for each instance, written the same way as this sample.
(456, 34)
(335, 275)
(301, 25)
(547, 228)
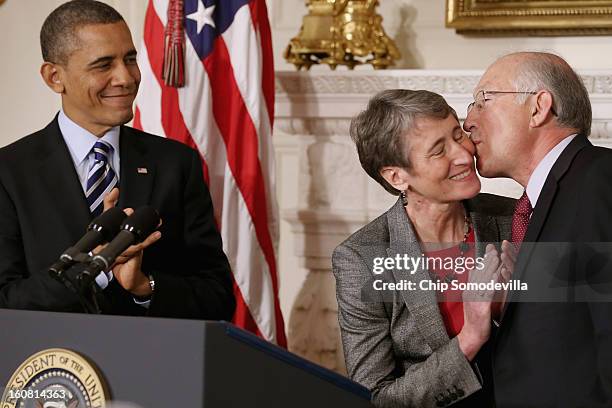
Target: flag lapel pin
(142, 170)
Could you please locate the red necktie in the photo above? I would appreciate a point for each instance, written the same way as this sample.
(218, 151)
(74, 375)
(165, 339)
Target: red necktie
(520, 222)
(520, 218)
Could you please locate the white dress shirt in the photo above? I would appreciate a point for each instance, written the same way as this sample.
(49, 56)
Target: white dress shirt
(80, 144)
(540, 174)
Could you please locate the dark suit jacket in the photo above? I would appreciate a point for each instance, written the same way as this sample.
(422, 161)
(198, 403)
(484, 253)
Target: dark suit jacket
(559, 354)
(43, 211)
(395, 342)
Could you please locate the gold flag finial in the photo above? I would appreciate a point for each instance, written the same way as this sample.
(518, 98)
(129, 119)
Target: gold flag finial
(342, 32)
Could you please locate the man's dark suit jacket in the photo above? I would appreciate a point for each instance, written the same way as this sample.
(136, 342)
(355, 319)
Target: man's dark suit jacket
(43, 211)
(559, 354)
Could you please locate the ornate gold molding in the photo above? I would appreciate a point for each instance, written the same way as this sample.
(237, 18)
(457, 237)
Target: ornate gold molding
(528, 17)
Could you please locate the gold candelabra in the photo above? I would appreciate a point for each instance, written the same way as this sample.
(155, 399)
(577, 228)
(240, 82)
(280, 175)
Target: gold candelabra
(341, 32)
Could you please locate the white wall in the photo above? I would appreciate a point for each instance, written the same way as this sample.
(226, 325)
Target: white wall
(26, 103)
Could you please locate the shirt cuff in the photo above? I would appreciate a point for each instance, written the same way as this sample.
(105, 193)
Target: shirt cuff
(103, 279)
(144, 304)
(146, 301)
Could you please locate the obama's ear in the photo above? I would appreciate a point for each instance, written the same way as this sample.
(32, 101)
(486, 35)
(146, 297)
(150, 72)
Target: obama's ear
(52, 75)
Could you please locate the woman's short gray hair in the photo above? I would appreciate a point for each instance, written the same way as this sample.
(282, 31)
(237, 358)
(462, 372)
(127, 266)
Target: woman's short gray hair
(378, 131)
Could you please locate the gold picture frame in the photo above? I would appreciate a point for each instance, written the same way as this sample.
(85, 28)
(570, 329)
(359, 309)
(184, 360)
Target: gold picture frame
(527, 17)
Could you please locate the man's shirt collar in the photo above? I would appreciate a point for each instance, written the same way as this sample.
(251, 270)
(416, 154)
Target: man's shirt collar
(540, 174)
(80, 141)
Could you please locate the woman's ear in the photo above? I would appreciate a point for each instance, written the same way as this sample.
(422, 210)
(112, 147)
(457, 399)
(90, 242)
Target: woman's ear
(398, 177)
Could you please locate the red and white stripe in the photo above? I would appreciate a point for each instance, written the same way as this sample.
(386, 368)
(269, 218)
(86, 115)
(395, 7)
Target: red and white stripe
(225, 111)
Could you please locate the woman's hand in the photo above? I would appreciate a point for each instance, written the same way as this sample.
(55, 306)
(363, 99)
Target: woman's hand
(477, 305)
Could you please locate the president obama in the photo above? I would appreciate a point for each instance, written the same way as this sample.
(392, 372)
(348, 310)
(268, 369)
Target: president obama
(54, 181)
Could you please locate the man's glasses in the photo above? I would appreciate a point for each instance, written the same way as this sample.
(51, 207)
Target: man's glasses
(481, 98)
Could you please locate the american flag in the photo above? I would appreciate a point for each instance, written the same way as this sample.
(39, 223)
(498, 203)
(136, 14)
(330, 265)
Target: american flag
(225, 111)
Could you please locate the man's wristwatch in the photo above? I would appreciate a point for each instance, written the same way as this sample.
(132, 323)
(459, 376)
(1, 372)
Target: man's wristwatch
(152, 284)
(148, 297)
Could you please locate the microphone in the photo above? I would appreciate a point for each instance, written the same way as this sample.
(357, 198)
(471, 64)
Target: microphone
(134, 229)
(101, 230)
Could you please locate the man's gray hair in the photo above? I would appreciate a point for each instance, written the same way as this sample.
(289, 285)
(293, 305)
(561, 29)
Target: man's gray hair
(379, 131)
(58, 33)
(543, 71)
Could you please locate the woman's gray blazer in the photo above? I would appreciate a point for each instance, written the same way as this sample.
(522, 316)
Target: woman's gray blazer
(395, 343)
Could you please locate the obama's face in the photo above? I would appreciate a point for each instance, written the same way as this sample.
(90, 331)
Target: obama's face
(100, 78)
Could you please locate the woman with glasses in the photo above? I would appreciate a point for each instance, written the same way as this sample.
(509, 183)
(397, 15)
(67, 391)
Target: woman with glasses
(407, 335)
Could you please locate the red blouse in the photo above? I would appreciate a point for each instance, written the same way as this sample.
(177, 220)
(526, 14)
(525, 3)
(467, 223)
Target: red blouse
(449, 301)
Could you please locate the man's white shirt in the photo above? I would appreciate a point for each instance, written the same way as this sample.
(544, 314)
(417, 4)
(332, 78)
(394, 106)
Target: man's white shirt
(540, 173)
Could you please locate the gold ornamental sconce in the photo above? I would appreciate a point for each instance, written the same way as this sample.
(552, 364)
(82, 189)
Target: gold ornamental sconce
(341, 32)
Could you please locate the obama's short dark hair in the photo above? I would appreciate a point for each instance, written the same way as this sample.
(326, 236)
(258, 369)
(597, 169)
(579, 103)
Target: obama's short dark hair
(58, 37)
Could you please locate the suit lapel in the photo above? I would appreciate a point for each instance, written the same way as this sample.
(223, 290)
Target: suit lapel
(542, 208)
(545, 200)
(137, 170)
(61, 182)
(421, 303)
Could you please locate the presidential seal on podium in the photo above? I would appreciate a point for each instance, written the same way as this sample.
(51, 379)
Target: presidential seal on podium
(55, 378)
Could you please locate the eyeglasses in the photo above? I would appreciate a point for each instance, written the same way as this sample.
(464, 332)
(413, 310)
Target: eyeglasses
(481, 98)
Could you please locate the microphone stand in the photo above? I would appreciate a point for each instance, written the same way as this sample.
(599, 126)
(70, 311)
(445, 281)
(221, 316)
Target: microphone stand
(73, 269)
(83, 288)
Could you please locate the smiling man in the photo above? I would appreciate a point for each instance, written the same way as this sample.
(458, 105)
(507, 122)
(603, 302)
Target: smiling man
(53, 182)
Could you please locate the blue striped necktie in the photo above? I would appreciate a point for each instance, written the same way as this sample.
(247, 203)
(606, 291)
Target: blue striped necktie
(101, 178)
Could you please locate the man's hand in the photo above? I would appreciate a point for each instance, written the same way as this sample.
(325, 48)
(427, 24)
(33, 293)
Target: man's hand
(111, 199)
(477, 306)
(127, 266)
(508, 258)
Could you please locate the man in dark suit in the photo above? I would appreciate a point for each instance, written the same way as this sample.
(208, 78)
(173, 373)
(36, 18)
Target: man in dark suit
(529, 121)
(54, 181)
